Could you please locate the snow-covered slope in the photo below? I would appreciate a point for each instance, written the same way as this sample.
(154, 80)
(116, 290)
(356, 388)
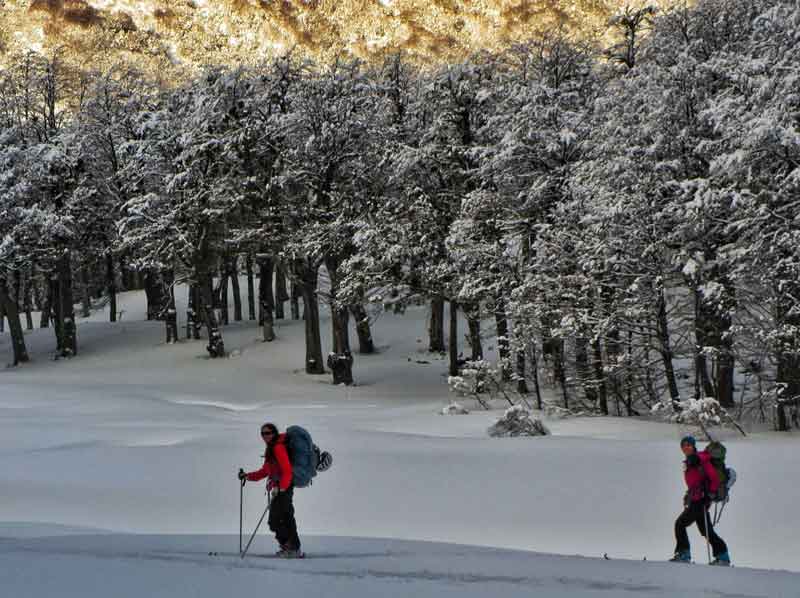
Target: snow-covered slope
(137, 436)
(180, 566)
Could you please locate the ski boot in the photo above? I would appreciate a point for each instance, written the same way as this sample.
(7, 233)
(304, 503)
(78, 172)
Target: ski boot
(287, 552)
(722, 560)
(682, 557)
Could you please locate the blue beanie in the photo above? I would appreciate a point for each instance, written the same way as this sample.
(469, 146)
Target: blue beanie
(689, 440)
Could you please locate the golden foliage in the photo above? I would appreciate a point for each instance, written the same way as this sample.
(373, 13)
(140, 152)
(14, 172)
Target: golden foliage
(180, 34)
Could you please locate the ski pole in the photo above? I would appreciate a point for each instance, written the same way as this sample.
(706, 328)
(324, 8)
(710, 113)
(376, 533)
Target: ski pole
(246, 548)
(708, 532)
(241, 508)
(718, 514)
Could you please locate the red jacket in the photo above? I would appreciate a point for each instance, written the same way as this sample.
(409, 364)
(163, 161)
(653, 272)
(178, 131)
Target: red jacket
(701, 478)
(276, 465)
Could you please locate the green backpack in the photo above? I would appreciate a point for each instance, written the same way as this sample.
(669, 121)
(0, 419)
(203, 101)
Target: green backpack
(716, 450)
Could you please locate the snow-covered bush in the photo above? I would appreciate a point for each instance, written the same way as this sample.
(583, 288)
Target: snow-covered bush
(557, 412)
(517, 421)
(472, 381)
(454, 409)
(483, 381)
(701, 413)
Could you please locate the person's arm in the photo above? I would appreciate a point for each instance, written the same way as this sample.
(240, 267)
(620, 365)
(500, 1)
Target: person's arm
(259, 474)
(282, 457)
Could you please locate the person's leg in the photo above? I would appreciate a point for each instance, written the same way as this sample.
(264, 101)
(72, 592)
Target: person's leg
(684, 520)
(277, 519)
(293, 538)
(718, 545)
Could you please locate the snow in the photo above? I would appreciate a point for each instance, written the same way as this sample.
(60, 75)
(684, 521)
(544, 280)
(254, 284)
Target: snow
(179, 566)
(142, 440)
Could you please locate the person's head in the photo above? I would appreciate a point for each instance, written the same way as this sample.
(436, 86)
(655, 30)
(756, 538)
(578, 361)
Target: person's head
(688, 445)
(269, 433)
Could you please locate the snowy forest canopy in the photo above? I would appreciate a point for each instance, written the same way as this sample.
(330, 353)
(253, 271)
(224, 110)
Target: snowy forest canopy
(616, 214)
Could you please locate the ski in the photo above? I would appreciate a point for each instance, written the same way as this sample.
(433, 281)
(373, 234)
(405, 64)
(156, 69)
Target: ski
(608, 558)
(215, 553)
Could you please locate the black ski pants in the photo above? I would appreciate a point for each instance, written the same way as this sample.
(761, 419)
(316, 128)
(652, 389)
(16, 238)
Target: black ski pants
(697, 512)
(281, 519)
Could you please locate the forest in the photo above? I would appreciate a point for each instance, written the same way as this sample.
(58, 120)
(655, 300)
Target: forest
(622, 220)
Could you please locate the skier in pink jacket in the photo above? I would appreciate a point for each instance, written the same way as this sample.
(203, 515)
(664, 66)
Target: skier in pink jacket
(702, 481)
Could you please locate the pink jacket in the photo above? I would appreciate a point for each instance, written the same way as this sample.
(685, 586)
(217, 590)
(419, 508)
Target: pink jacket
(701, 478)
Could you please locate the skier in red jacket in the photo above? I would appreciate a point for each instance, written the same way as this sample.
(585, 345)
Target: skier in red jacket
(701, 480)
(278, 469)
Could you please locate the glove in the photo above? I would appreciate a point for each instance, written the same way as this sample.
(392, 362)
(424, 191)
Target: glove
(273, 492)
(242, 475)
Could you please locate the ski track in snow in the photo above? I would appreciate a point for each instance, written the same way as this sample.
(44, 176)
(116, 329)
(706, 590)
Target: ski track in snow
(214, 404)
(374, 563)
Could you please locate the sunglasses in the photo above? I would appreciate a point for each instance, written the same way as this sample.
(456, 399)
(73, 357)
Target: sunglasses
(266, 433)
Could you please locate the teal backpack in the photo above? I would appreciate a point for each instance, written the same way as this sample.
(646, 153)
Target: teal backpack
(305, 456)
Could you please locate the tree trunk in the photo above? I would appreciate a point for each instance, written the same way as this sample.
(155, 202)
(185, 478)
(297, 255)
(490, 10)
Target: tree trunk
(17, 297)
(665, 348)
(341, 366)
(554, 347)
(702, 379)
(137, 278)
(86, 297)
(600, 382)
(585, 373)
(233, 272)
(629, 390)
(522, 385)
(171, 320)
(340, 361)
(193, 312)
(295, 300)
(474, 326)
(266, 300)
(126, 276)
(111, 287)
(725, 371)
(712, 329)
(339, 323)
(156, 298)
(281, 295)
(67, 311)
(436, 326)
(251, 293)
(3, 314)
(27, 300)
(365, 344)
(36, 289)
(47, 304)
(308, 287)
(786, 350)
(502, 339)
(9, 306)
(340, 329)
(216, 345)
(55, 315)
(535, 375)
(608, 375)
(452, 341)
(222, 295)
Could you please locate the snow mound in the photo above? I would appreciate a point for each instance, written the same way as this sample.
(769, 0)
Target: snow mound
(517, 421)
(455, 409)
